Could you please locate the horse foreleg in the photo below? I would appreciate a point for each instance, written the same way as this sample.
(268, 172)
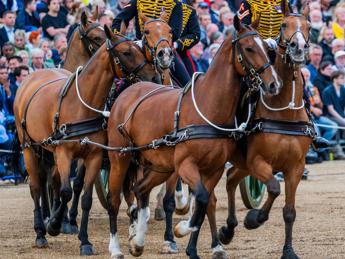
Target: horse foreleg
(256, 217)
(92, 164)
(129, 196)
(63, 162)
(119, 166)
(159, 210)
(182, 204)
(78, 184)
(233, 178)
(31, 163)
(292, 180)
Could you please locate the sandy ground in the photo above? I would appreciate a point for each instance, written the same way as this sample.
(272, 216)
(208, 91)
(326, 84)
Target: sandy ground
(319, 229)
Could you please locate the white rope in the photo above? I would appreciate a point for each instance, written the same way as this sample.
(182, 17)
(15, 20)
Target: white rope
(329, 126)
(104, 113)
(290, 106)
(242, 127)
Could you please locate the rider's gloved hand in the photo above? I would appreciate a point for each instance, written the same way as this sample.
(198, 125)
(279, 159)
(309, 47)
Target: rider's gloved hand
(271, 43)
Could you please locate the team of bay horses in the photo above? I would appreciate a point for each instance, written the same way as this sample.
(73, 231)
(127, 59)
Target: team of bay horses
(156, 133)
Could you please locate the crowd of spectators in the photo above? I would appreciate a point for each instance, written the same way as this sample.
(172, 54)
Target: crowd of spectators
(34, 34)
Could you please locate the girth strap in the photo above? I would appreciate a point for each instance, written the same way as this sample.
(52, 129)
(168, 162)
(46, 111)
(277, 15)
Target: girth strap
(294, 128)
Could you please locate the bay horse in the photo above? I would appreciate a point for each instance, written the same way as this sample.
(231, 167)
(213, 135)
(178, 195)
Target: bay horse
(142, 121)
(280, 138)
(70, 110)
(84, 42)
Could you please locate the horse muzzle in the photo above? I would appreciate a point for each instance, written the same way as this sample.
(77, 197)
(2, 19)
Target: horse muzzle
(165, 57)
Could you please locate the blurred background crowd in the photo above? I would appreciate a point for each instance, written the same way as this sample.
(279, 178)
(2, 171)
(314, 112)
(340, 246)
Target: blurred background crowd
(34, 35)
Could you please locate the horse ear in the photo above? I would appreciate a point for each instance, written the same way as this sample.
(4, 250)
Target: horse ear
(95, 14)
(306, 10)
(83, 18)
(256, 23)
(237, 23)
(164, 16)
(143, 17)
(285, 7)
(108, 32)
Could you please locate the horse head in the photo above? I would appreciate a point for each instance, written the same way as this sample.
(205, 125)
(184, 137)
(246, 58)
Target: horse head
(294, 34)
(157, 41)
(127, 59)
(251, 59)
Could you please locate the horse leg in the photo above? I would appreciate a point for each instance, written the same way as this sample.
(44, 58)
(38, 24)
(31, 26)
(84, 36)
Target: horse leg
(78, 184)
(182, 205)
(132, 211)
(142, 191)
(159, 210)
(63, 163)
(119, 166)
(44, 196)
(92, 164)
(256, 217)
(234, 176)
(291, 180)
(169, 246)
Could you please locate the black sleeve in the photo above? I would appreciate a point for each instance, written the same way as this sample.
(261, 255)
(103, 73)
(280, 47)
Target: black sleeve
(191, 34)
(244, 13)
(175, 21)
(127, 14)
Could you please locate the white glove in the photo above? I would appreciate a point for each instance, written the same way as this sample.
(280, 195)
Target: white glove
(271, 43)
(175, 45)
(139, 43)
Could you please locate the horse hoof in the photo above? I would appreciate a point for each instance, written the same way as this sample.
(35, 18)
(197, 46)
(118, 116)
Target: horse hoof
(182, 229)
(219, 253)
(41, 242)
(52, 228)
(117, 256)
(134, 249)
(169, 248)
(289, 254)
(250, 222)
(159, 214)
(182, 211)
(225, 235)
(87, 250)
(74, 230)
(65, 228)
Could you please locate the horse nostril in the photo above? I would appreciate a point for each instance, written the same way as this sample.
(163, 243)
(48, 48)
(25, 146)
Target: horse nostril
(299, 52)
(160, 54)
(272, 87)
(293, 44)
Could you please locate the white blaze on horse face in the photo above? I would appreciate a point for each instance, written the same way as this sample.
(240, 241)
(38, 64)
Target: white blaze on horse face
(143, 215)
(299, 36)
(114, 245)
(274, 73)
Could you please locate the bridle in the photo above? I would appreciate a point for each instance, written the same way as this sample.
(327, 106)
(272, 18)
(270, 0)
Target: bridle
(90, 45)
(153, 50)
(252, 74)
(285, 43)
(115, 60)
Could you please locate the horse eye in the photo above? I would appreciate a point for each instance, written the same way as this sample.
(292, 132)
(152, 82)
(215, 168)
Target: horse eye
(284, 25)
(147, 32)
(98, 39)
(249, 49)
(171, 31)
(126, 53)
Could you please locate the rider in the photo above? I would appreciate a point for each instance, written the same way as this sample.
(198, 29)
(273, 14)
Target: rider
(271, 17)
(153, 9)
(189, 37)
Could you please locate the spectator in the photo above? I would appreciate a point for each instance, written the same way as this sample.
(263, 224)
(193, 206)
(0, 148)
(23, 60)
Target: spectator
(316, 25)
(211, 28)
(42, 8)
(28, 19)
(339, 58)
(38, 60)
(339, 24)
(55, 21)
(216, 37)
(226, 19)
(13, 62)
(315, 56)
(25, 57)
(8, 6)
(7, 31)
(334, 98)
(212, 51)
(34, 39)
(326, 38)
(20, 41)
(214, 10)
(3, 61)
(45, 46)
(204, 21)
(20, 73)
(106, 18)
(323, 78)
(201, 64)
(5, 91)
(60, 42)
(8, 49)
(316, 107)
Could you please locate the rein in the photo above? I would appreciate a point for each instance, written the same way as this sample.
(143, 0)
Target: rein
(90, 45)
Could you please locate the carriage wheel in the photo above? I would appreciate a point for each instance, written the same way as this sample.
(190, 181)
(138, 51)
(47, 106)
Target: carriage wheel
(102, 187)
(252, 192)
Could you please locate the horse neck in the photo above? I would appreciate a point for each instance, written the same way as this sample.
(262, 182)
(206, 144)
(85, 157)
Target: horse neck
(76, 54)
(286, 71)
(96, 79)
(218, 93)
